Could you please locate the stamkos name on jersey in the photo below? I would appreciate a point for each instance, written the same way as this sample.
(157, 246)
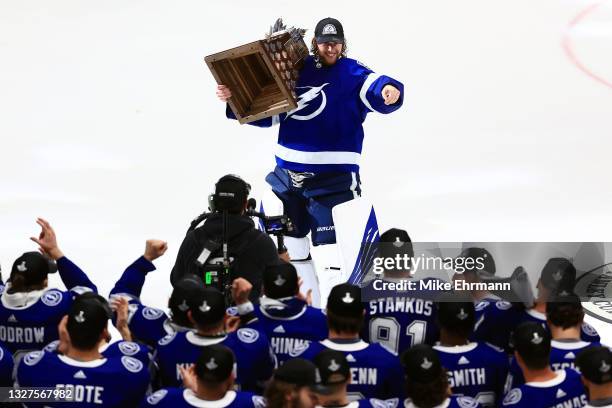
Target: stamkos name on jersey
(437, 285)
(402, 304)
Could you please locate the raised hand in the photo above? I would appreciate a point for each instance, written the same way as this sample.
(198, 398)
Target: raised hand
(223, 93)
(47, 240)
(155, 248)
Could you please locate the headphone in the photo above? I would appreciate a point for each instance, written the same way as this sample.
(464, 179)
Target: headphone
(216, 200)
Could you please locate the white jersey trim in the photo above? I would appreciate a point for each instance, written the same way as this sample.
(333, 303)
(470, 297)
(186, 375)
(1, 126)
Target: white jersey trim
(76, 363)
(364, 89)
(357, 346)
(193, 399)
(327, 157)
(568, 345)
(456, 349)
(550, 383)
(194, 338)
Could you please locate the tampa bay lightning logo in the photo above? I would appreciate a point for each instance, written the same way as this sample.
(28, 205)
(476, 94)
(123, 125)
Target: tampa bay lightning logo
(247, 335)
(131, 364)
(129, 348)
(157, 396)
(52, 297)
(150, 313)
(32, 358)
(310, 103)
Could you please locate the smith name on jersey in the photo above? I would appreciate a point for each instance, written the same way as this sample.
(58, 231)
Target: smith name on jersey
(106, 382)
(477, 370)
(29, 320)
(254, 357)
(325, 133)
(289, 324)
(563, 391)
(375, 371)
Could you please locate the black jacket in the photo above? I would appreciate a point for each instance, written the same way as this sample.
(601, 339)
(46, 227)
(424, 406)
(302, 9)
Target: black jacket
(252, 249)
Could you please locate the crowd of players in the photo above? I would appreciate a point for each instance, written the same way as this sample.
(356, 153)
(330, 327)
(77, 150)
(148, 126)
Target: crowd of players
(364, 350)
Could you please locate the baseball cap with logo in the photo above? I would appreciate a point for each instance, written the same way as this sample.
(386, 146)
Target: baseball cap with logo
(89, 315)
(558, 274)
(345, 300)
(297, 371)
(331, 369)
(421, 363)
(207, 306)
(531, 340)
(34, 267)
(280, 280)
(595, 364)
(394, 242)
(185, 292)
(456, 312)
(215, 363)
(329, 30)
(485, 257)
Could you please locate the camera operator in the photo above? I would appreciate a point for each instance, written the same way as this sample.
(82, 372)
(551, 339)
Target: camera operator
(249, 251)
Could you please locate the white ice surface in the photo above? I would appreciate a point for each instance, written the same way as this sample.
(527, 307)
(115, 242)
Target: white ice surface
(109, 126)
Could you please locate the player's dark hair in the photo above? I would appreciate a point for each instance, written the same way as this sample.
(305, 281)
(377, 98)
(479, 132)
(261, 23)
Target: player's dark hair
(84, 339)
(565, 312)
(19, 284)
(344, 324)
(314, 50)
(276, 394)
(428, 395)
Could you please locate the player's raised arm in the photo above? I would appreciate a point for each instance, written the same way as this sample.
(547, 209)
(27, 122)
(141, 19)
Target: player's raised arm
(380, 93)
(131, 281)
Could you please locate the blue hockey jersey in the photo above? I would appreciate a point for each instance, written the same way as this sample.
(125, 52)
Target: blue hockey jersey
(476, 370)
(29, 320)
(6, 367)
(589, 333)
(562, 355)
(289, 323)
(185, 398)
(453, 401)
(147, 324)
(107, 382)
(495, 319)
(376, 372)
(399, 319)
(325, 133)
(254, 357)
(565, 390)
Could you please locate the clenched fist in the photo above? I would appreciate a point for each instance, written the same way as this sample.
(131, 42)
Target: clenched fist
(223, 93)
(154, 249)
(390, 94)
